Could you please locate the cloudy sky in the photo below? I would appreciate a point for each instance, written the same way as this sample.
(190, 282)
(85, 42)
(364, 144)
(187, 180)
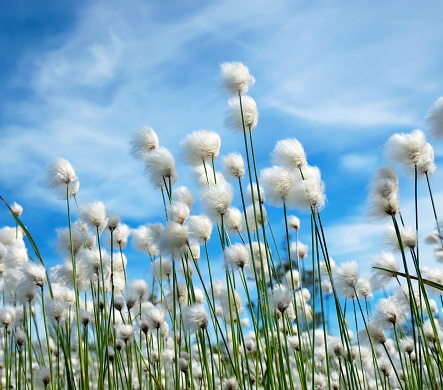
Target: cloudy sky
(79, 77)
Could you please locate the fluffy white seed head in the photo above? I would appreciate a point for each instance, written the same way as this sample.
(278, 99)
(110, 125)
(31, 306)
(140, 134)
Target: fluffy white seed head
(160, 167)
(253, 214)
(16, 256)
(380, 278)
(184, 194)
(94, 214)
(434, 275)
(281, 298)
(121, 234)
(407, 234)
(290, 154)
(293, 277)
(145, 239)
(237, 255)
(125, 332)
(233, 165)
(406, 149)
(259, 257)
(384, 193)
(174, 238)
(62, 178)
(252, 195)
(113, 221)
(308, 193)
(235, 77)
(7, 317)
(434, 119)
(200, 227)
(195, 317)
(234, 119)
(277, 183)
(364, 288)
(425, 164)
(233, 220)
(155, 317)
(293, 222)
(216, 199)
(346, 279)
(35, 273)
(201, 146)
(143, 142)
(299, 250)
(17, 209)
(179, 211)
(390, 313)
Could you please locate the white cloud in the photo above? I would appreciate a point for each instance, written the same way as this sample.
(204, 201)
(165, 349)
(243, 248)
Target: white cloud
(355, 162)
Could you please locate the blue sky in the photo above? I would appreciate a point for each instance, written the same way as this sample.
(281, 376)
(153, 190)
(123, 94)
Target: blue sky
(340, 76)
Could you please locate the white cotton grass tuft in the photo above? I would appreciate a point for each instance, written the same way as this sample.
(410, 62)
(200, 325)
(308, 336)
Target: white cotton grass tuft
(125, 332)
(281, 298)
(201, 146)
(293, 277)
(380, 278)
(234, 165)
(113, 221)
(160, 167)
(233, 118)
(121, 234)
(235, 77)
(94, 214)
(252, 193)
(293, 222)
(35, 273)
(364, 288)
(411, 150)
(179, 211)
(237, 256)
(144, 141)
(308, 193)
(145, 238)
(434, 119)
(200, 227)
(434, 275)
(290, 154)
(407, 234)
(255, 214)
(195, 317)
(390, 312)
(205, 175)
(174, 238)
(155, 317)
(259, 257)
(384, 193)
(277, 183)
(62, 178)
(233, 220)
(16, 209)
(216, 199)
(299, 250)
(184, 194)
(346, 278)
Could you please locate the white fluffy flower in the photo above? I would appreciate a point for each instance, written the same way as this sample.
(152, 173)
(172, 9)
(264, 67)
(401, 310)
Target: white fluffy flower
(292, 277)
(390, 312)
(201, 146)
(160, 167)
(308, 193)
(17, 209)
(364, 288)
(233, 117)
(200, 227)
(145, 239)
(195, 317)
(425, 164)
(121, 234)
(234, 166)
(290, 154)
(277, 183)
(125, 332)
(254, 213)
(217, 199)
(62, 178)
(346, 279)
(174, 238)
(299, 250)
(293, 222)
(281, 298)
(252, 195)
(233, 220)
(408, 237)
(143, 142)
(380, 278)
(235, 77)
(179, 211)
(237, 255)
(434, 118)
(259, 257)
(434, 275)
(384, 193)
(35, 273)
(94, 214)
(184, 194)
(407, 149)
